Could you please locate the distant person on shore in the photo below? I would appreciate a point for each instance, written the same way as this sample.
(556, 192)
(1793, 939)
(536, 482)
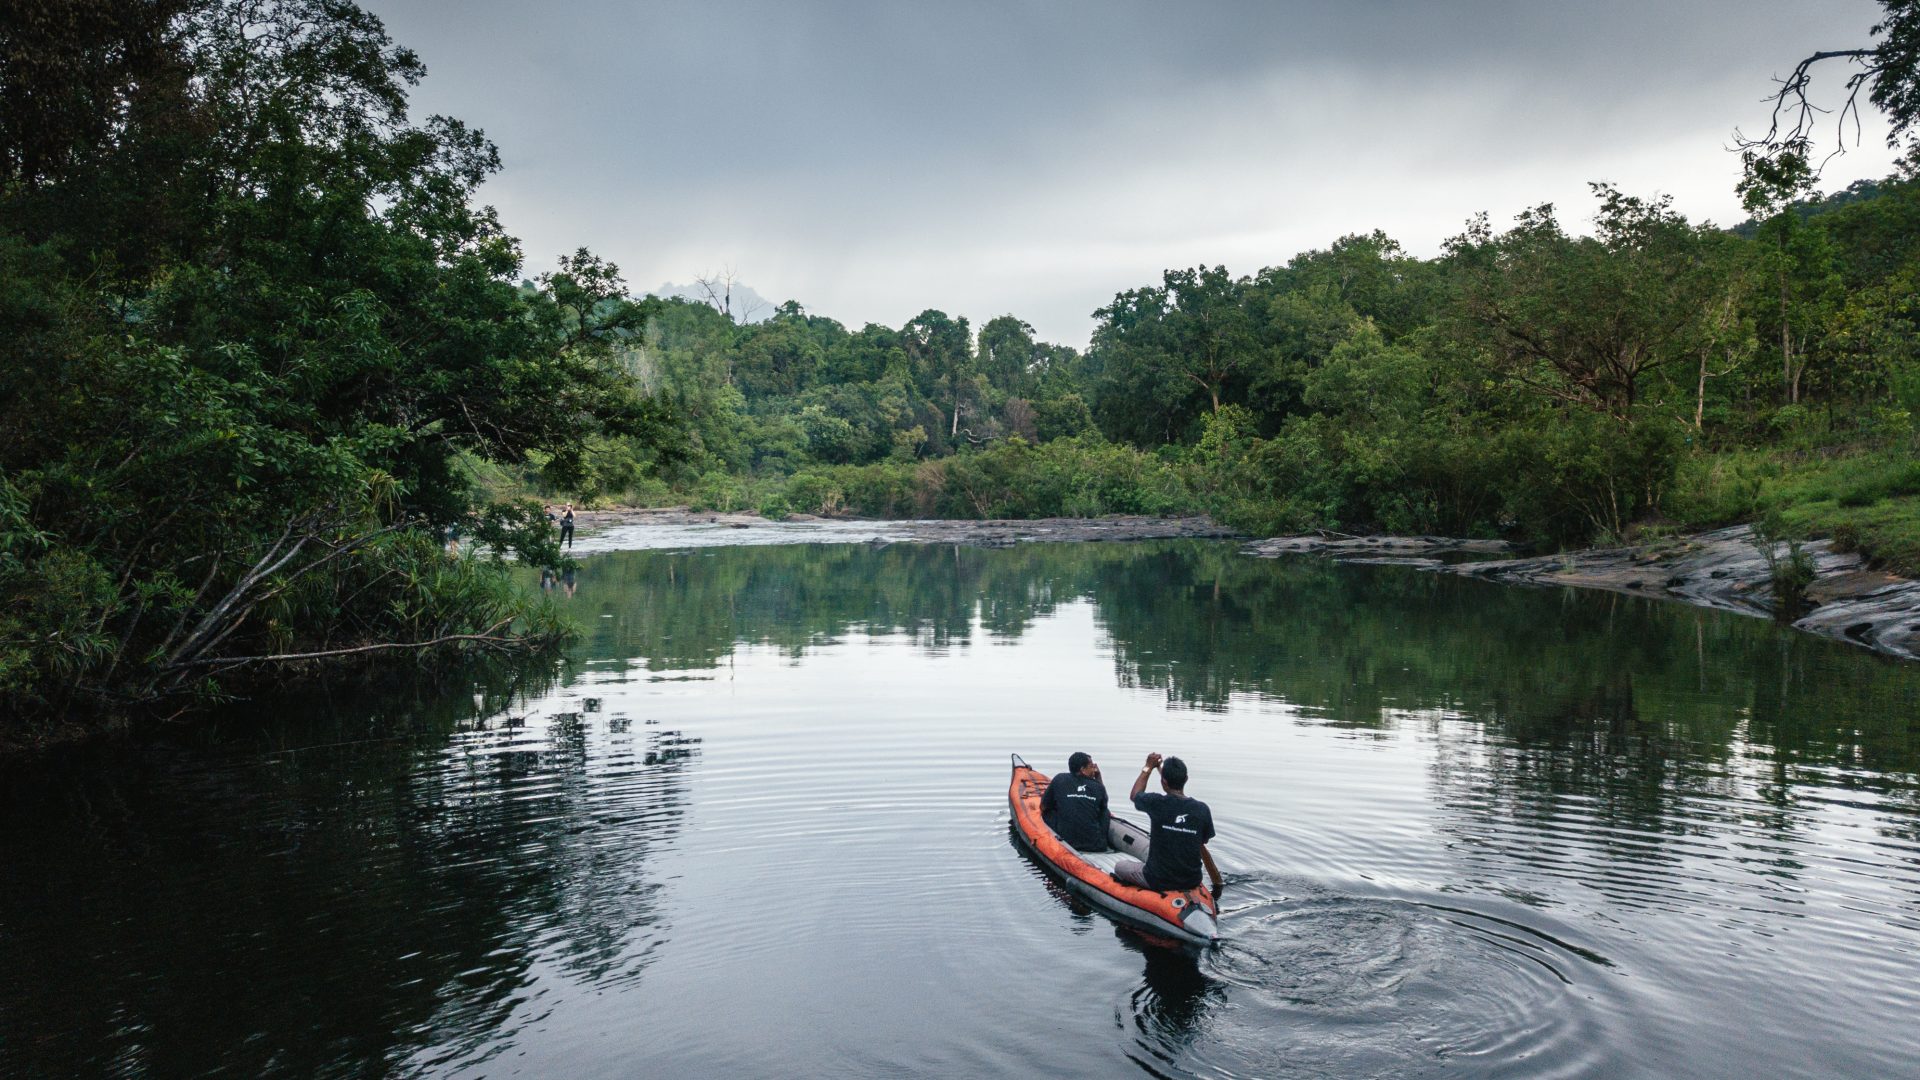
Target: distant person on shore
(566, 526)
(1177, 845)
(1074, 805)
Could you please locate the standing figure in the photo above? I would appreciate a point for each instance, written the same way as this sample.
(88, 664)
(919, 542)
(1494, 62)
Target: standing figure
(566, 526)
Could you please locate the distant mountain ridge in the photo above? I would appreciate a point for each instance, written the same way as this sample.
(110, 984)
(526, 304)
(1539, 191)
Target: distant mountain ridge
(733, 298)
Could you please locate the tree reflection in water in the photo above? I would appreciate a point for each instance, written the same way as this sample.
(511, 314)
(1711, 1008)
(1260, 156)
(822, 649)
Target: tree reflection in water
(1350, 646)
(388, 878)
(377, 873)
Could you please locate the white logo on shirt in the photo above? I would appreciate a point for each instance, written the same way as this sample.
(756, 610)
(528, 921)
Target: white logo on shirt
(1082, 787)
(1181, 820)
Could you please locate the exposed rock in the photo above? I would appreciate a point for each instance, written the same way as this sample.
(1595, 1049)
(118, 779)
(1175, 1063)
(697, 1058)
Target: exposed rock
(1372, 549)
(1724, 570)
(1055, 530)
(971, 533)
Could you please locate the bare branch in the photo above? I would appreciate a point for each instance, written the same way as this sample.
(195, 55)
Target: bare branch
(1794, 117)
(488, 638)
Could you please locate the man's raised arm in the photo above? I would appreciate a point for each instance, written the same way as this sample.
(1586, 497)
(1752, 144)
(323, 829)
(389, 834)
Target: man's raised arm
(1140, 782)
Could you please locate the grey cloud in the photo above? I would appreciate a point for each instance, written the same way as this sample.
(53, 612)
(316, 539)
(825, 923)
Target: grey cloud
(874, 159)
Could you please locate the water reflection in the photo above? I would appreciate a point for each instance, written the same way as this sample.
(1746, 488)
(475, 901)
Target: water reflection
(1169, 1007)
(1354, 646)
(758, 817)
(375, 883)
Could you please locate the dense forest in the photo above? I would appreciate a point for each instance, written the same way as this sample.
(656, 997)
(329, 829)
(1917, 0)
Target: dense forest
(262, 355)
(1536, 382)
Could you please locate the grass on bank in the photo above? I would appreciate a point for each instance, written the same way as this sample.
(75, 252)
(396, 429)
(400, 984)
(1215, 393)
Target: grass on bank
(1866, 498)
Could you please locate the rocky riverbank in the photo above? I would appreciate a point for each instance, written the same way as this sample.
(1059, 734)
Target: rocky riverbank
(1725, 570)
(1422, 551)
(1851, 602)
(971, 533)
(1722, 569)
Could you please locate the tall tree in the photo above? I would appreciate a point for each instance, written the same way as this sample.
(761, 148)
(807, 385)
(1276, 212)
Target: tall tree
(940, 352)
(231, 445)
(1586, 319)
(1167, 352)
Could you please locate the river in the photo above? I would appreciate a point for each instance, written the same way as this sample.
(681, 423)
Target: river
(756, 825)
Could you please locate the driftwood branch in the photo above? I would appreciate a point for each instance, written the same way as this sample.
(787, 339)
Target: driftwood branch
(246, 594)
(488, 638)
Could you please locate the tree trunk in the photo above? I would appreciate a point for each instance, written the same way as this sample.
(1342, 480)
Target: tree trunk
(1700, 397)
(1786, 346)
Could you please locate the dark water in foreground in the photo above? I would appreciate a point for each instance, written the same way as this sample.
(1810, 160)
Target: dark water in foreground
(757, 827)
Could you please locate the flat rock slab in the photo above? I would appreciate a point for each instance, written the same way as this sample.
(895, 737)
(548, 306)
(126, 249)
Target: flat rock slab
(1374, 548)
(796, 528)
(1060, 530)
(1724, 570)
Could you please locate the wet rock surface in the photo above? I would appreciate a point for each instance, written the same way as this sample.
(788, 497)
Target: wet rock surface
(1008, 533)
(1725, 570)
(1396, 550)
(971, 533)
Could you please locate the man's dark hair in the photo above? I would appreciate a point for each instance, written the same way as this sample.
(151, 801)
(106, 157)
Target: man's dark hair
(1080, 760)
(1174, 772)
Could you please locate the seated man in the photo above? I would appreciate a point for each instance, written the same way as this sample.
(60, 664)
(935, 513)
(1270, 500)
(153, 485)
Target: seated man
(1177, 844)
(1074, 805)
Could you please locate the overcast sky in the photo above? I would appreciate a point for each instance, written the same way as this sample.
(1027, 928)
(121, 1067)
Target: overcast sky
(871, 160)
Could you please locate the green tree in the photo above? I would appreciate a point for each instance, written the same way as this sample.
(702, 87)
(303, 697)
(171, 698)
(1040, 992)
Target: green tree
(237, 446)
(1167, 352)
(939, 352)
(1007, 354)
(1799, 260)
(1586, 319)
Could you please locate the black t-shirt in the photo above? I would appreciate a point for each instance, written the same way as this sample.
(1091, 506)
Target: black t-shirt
(1180, 826)
(1075, 807)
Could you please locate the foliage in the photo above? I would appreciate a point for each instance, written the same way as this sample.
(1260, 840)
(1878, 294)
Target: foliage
(1789, 566)
(253, 325)
(261, 356)
(1535, 384)
(1077, 477)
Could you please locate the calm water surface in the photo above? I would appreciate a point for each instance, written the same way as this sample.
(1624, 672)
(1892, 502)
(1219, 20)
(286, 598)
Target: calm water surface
(756, 826)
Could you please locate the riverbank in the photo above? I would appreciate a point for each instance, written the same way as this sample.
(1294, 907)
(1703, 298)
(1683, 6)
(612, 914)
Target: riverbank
(1850, 600)
(596, 525)
(1722, 569)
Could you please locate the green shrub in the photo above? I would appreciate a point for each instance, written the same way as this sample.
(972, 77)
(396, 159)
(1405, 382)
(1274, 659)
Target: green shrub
(1788, 564)
(719, 491)
(774, 507)
(814, 492)
(1070, 477)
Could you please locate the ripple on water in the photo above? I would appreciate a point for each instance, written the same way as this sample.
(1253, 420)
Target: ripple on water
(1350, 986)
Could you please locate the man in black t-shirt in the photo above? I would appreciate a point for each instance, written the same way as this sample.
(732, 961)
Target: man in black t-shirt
(1177, 845)
(1074, 805)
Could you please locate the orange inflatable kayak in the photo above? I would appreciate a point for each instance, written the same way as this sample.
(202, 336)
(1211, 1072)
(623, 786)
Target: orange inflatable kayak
(1188, 915)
